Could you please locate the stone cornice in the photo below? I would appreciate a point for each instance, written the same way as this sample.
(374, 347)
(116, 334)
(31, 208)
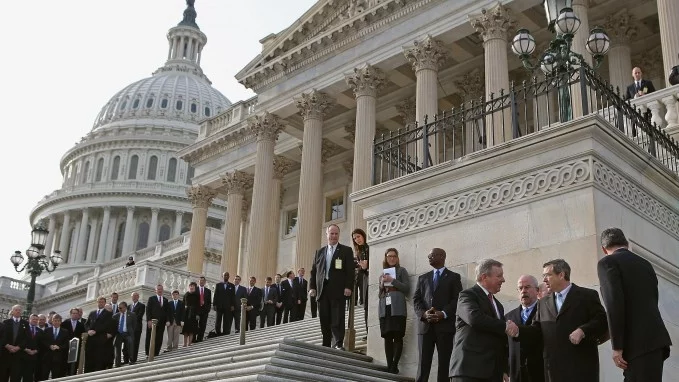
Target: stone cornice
(67, 295)
(216, 144)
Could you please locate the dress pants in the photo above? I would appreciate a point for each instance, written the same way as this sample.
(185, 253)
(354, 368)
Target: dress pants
(314, 308)
(647, 367)
(223, 322)
(173, 332)
(331, 313)
(128, 340)
(236, 320)
(252, 319)
(202, 324)
(10, 367)
(300, 310)
(443, 342)
(160, 330)
(288, 315)
(132, 355)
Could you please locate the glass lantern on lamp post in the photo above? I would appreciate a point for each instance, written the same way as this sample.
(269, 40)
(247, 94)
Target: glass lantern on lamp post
(37, 262)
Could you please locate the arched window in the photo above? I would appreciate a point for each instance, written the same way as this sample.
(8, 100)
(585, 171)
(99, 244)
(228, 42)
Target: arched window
(100, 170)
(172, 170)
(120, 239)
(134, 162)
(163, 103)
(142, 235)
(149, 103)
(153, 167)
(115, 168)
(179, 105)
(135, 104)
(86, 169)
(164, 233)
(194, 107)
(189, 174)
(123, 105)
(207, 111)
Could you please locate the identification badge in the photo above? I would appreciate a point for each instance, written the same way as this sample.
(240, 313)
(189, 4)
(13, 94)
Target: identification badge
(338, 263)
(388, 300)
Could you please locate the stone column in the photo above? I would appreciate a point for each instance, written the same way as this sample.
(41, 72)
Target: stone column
(236, 183)
(242, 251)
(620, 28)
(313, 106)
(65, 236)
(128, 239)
(281, 166)
(426, 57)
(102, 256)
(179, 216)
(266, 127)
(94, 222)
(51, 228)
(472, 89)
(669, 35)
(73, 250)
(201, 198)
(153, 229)
(365, 82)
(81, 250)
(494, 25)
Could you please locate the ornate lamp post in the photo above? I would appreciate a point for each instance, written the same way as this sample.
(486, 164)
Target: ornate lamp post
(558, 60)
(37, 261)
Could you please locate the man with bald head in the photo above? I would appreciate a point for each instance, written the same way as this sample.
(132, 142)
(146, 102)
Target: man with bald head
(640, 87)
(525, 361)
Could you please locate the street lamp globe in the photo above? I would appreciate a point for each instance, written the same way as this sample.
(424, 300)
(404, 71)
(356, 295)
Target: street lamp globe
(17, 258)
(548, 63)
(553, 9)
(56, 258)
(598, 42)
(39, 236)
(568, 22)
(33, 252)
(523, 43)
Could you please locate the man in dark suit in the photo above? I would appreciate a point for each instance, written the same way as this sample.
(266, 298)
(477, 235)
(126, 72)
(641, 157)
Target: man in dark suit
(279, 305)
(114, 303)
(629, 287)
(254, 296)
(570, 323)
(55, 348)
(31, 349)
(224, 304)
(435, 302)
(156, 308)
(525, 362)
(126, 326)
(205, 298)
(13, 343)
(288, 297)
(301, 286)
(332, 280)
(240, 292)
(99, 329)
(480, 350)
(271, 299)
(174, 321)
(75, 329)
(139, 309)
(640, 87)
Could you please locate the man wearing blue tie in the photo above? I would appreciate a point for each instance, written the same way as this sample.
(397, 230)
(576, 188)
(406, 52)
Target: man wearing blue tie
(126, 324)
(55, 345)
(525, 362)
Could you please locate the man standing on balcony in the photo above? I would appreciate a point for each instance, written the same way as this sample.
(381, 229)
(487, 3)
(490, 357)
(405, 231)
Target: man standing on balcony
(205, 296)
(225, 305)
(640, 87)
(332, 280)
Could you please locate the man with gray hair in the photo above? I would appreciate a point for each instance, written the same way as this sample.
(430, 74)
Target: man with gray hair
(12, 344)
(525, 362)
(480, 351)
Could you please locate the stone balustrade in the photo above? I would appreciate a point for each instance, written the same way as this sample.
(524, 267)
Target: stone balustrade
(16, 289)
(663, 107)
(238, 112)
(119, 185)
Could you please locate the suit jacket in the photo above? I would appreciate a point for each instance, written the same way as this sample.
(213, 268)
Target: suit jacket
(225, 298)
(444, 298)
(339, 278)
(154, 310)
(288, 294)
(101, 324)
(480, 349)
(254, 298)
(176, 315)
(629, 288)
(207, 303)
(242, 292)
(8, 337)
(301, 288)
(62, 341)
(273, 296)
(139, 310)
(581, 309)
(131, 322)
(525, 360)
(632, 89)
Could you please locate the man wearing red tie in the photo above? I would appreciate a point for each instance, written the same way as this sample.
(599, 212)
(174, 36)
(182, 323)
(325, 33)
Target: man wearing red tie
(30, 356)
(156, 308)
(254, 304)
(205, 306)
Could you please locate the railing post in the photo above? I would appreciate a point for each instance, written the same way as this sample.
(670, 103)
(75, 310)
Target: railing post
(243, 319)
(83, 344)
(152, 345)
(374, 162)
(425, 144)
(515, 113)
(583, 90)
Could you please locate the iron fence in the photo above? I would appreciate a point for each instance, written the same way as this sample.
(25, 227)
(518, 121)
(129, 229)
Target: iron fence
(7, 314)
(525, 109)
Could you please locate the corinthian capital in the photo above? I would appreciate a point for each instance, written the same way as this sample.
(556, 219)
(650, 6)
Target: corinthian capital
(426, 54)
(621, 27)
(314, 104)
(236, 182)
(266, 126)
(494, 23)
(281, 166)
(367, 80)
(406, 110)
(200, 196)
(329, 149)
(472, 85)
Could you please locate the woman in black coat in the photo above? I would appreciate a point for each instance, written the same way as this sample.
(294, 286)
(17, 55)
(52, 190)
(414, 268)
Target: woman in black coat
(191, 307)
(361, 258)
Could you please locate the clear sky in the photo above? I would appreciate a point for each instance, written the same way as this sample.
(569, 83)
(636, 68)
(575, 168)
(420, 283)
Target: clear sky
(62, 60)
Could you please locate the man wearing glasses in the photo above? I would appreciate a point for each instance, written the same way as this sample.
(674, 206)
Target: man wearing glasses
(525, 362)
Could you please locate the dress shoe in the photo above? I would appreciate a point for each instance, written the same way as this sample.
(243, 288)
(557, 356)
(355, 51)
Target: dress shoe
(340, 348)
(394, 370)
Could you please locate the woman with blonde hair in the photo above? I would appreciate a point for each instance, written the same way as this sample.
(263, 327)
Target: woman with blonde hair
(392, 308)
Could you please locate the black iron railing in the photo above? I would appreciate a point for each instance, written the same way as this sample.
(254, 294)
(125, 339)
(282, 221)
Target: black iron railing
(6, 314)
(525, 109)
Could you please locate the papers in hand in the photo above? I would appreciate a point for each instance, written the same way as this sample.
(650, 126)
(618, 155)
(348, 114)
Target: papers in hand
(391, 272)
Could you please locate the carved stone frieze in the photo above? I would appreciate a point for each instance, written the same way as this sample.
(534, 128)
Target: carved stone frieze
(494, 23)
(200, 196)
(426, 54)
(621, 27)
(236, 182)
(314, 104)
(266, 126)
(367, 80)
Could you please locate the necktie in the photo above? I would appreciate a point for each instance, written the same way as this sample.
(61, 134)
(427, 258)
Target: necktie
(559, 301)
(122, 324)
(56, 333)
(437, 274)
(98, 312)
(175, 304)
(524, 316)
(267, 293)
(328, 261)
(160, 300)
(202, 297)
(492, 304)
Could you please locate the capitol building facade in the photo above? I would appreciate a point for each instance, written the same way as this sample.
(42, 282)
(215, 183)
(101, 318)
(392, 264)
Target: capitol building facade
(341, 132)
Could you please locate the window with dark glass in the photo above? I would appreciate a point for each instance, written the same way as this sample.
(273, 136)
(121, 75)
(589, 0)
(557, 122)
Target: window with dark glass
(135, 104)
(153, 168)
(172, 170)
(123, 105)
(291, 222)
(86, 170)
(179, 105)
(149, 103)
(115, 168)
(134, 163)
(120, 239)
(189, 174)
(207, 111)
(334, 207)
(163, 103)
(100, 170)
(164, 233)
(142, 235)
(194, 107)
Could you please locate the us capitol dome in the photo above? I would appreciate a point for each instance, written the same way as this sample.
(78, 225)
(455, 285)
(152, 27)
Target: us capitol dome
(124, 187)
